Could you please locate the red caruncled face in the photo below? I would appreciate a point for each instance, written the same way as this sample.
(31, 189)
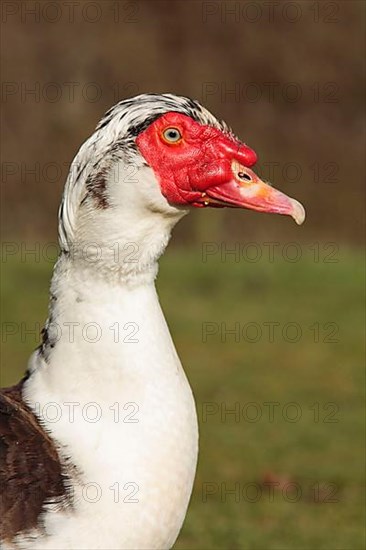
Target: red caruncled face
(199, 165)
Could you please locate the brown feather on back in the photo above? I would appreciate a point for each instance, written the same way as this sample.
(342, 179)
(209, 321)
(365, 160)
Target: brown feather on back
(30, 469)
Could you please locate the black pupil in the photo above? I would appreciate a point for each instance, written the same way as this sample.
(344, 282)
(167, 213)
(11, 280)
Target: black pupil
(173, 134)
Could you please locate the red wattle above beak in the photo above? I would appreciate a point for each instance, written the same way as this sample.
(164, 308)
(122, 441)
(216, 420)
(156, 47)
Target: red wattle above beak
(247, 190)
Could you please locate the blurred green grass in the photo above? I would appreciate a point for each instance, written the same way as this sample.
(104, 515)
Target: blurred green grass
(325, 453)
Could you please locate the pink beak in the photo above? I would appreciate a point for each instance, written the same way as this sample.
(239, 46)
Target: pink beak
(247, 190)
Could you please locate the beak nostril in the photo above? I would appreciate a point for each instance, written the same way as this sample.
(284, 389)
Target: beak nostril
(244, 176)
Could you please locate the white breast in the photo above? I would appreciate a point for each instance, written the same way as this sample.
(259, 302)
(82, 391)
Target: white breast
(137, 462)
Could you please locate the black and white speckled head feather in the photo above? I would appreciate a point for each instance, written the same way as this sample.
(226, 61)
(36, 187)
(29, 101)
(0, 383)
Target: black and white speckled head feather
(114, 139)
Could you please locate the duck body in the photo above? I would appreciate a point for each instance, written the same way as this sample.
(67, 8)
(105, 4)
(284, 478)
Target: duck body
(99, 442)
(127, 418)
(125, 412)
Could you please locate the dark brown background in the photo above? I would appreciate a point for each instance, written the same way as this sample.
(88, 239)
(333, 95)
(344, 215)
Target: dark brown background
(308, 53)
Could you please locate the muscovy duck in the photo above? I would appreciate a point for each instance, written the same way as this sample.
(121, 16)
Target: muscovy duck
(99, 440)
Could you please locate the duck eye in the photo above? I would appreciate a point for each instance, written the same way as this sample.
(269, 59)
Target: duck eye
(172, 135)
